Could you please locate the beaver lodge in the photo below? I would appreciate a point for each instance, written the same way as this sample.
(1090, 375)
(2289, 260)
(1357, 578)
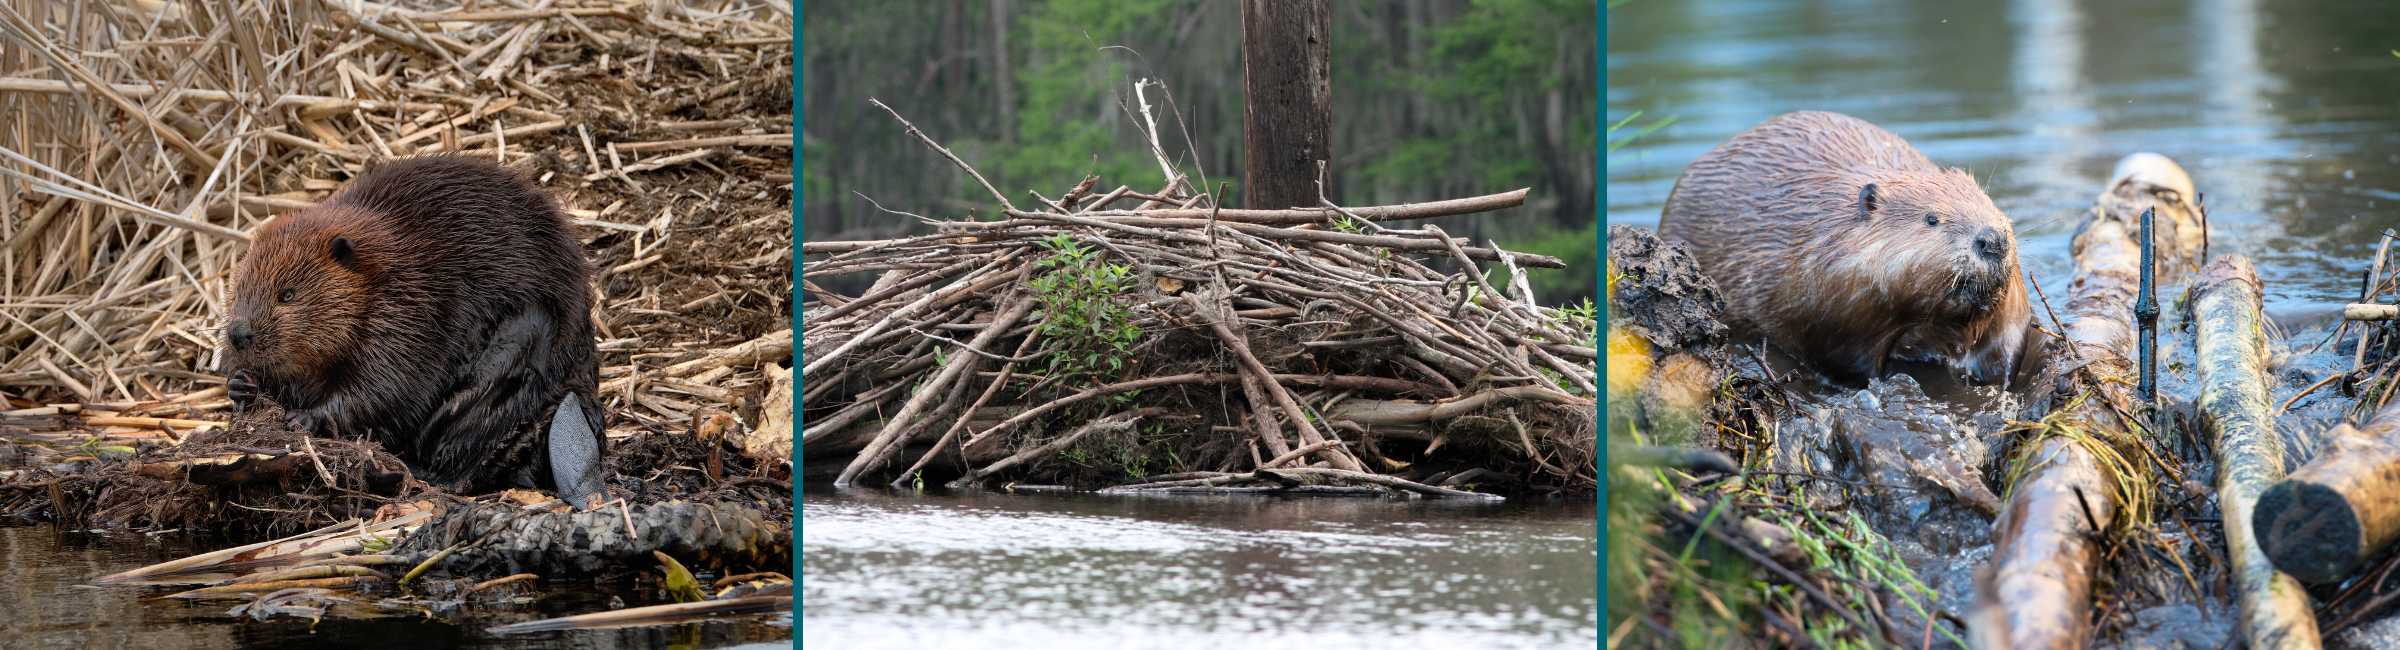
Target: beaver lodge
(1177, 346)
(147, 140)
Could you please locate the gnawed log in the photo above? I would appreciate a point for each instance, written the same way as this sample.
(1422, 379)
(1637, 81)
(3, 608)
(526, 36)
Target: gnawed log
(2320, 522)
(2233, 403)
(2064, 485)
(2370, 311)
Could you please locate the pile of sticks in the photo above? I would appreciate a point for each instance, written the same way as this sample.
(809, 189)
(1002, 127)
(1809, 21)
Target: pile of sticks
(1336, 341)
(147, 140)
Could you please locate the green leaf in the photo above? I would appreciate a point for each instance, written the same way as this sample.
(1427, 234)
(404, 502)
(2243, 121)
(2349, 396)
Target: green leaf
(679, 581)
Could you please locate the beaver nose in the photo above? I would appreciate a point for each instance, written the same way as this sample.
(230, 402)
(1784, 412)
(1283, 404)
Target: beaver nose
(239, 332)
(1991, 244)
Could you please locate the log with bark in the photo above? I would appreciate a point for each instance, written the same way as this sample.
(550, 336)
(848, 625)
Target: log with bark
(2081, 472)
(2325, 519)
(2233, 404)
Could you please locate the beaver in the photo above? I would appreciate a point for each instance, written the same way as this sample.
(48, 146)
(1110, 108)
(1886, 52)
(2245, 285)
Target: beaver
(1846, 248)
(439, 306)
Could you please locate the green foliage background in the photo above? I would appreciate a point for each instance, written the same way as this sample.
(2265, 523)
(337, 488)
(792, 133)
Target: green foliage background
(1433, 99)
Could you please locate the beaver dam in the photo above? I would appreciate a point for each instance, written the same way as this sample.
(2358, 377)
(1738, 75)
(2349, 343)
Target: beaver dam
(2078, 510)
(147, 141)
(1181, 347)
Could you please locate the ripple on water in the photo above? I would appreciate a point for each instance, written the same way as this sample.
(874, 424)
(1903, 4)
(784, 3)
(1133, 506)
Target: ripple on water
(1109, 572)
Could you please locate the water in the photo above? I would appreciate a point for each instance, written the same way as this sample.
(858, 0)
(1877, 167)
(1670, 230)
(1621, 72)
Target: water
(2283, 113)
(985, 570)
(46, 601)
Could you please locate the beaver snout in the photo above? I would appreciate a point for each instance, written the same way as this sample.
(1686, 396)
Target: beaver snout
(1991, 245)
(240, 334)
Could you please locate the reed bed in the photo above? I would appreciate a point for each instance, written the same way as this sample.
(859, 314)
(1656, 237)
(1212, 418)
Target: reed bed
(147, 140)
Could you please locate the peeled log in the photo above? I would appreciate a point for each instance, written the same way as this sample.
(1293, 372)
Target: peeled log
(2234, 404)
(2322, 521)
(2370, 311)
(2045, 546)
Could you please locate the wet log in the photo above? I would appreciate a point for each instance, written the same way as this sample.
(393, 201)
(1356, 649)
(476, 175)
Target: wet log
(2046, 541)
(2234, 405)
(1687, 458)
(2370, 311)
(654, 615)
(2322, 521)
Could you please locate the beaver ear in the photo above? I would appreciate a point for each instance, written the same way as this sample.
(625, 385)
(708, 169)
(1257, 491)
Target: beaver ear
(1867, 201)
(343, 254)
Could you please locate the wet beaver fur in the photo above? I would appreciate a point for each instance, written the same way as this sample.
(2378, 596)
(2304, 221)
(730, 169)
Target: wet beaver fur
(1845, 247)
(439, 306)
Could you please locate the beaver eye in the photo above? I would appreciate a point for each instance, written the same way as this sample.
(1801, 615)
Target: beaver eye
(1933, 220)
(286, 297)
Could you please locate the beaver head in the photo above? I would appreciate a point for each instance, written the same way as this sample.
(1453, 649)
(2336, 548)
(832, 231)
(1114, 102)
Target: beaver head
(1939, 253)
(299, 301)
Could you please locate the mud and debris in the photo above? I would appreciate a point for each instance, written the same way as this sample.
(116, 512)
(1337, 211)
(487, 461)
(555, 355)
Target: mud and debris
(664, 129)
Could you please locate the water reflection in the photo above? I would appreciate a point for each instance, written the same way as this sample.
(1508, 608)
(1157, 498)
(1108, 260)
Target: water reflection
(45, 602)
(886, 570)
(2281, 111)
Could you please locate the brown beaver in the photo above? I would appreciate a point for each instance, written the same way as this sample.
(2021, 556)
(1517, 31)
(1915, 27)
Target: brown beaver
(1846, 248)
(439, 306)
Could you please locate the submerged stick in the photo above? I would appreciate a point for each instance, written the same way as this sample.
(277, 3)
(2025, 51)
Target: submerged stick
(652, 615)
(2233, 400)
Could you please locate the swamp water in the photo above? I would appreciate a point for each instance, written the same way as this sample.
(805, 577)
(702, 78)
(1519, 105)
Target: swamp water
(45, 602)
(2283, 113)
(886, 569)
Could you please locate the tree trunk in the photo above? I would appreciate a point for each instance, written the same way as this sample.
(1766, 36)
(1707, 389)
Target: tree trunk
(1002, 73)
(1287, 100)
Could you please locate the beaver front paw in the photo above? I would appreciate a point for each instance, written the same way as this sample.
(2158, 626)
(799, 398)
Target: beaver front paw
(305, 421)
(243, 389)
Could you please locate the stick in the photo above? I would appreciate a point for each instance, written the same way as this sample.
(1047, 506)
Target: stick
(1291, 409)
(912, 130)
(1006, 369)
(1118, 422)
(940, 385)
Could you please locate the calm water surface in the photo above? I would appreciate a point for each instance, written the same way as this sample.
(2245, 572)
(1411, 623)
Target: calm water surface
(985, 570)
(2287, 114)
